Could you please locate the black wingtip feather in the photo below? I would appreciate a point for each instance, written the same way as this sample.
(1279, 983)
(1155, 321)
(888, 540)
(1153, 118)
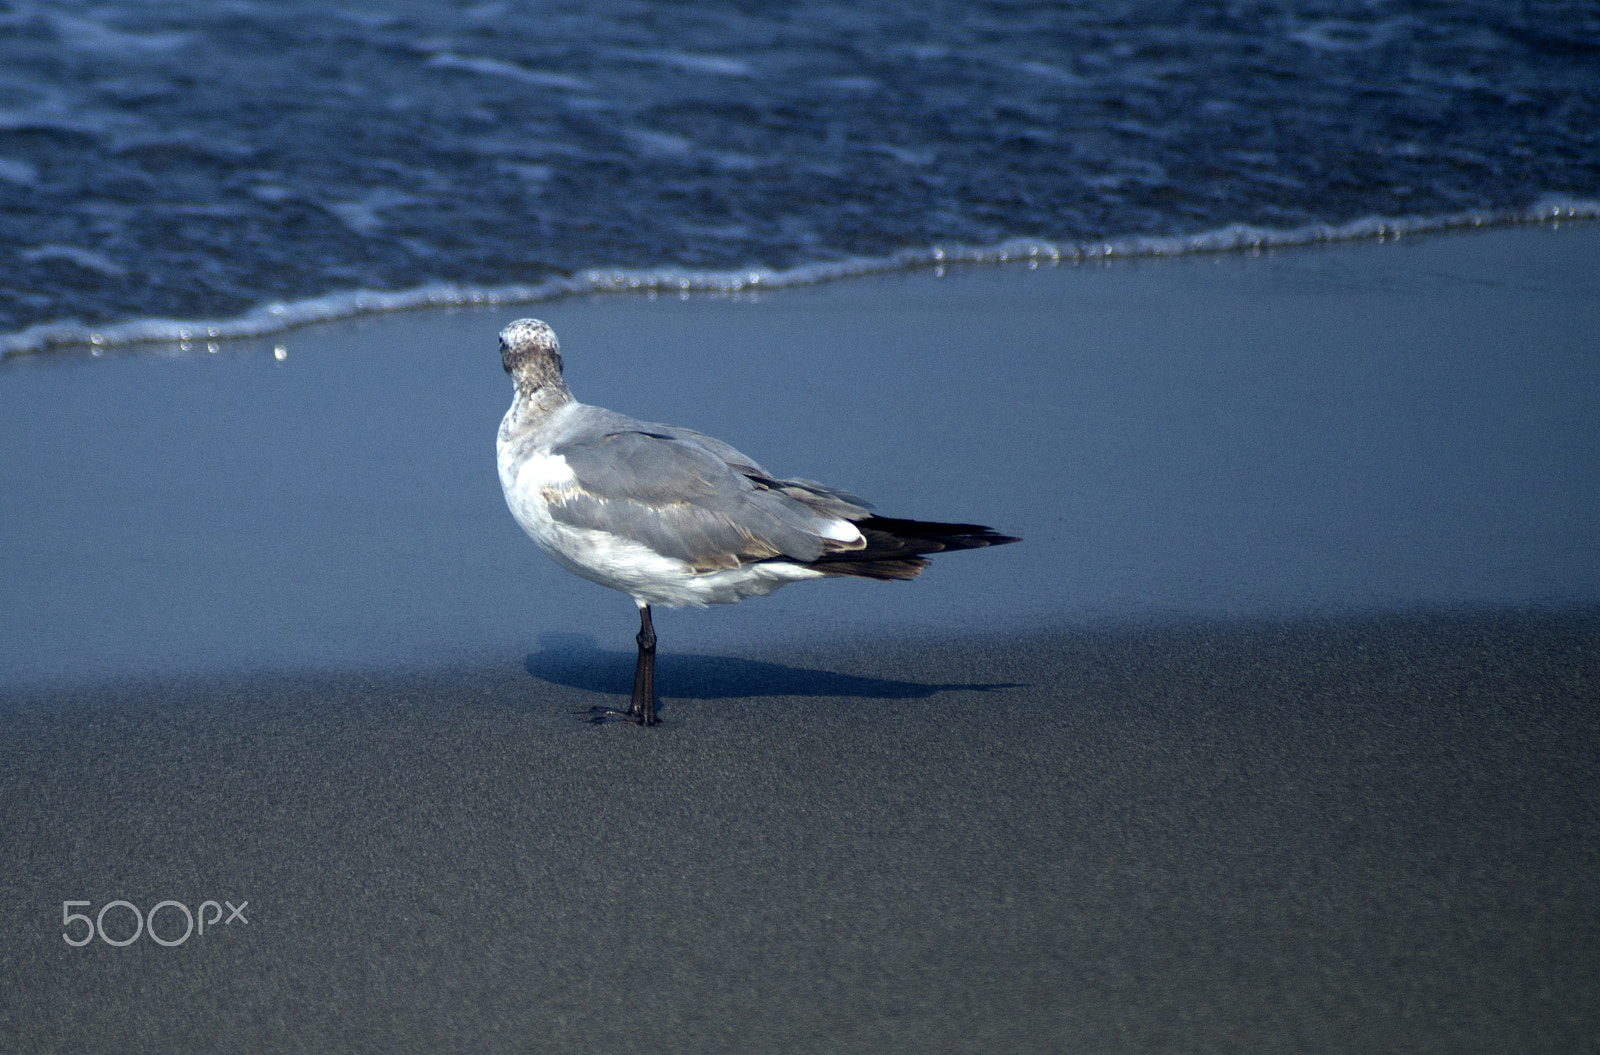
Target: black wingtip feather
(895, 549)
(950, 536)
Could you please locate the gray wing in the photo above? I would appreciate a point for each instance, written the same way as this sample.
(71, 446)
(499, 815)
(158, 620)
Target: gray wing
(702, 503)
(823, 499)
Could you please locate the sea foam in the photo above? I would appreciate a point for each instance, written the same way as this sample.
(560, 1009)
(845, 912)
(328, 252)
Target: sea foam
(275, 318)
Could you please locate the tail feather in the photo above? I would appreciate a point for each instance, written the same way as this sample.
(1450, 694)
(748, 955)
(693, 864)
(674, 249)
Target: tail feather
(895, 548)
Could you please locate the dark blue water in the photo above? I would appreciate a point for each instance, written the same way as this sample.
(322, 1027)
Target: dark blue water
(249, 164)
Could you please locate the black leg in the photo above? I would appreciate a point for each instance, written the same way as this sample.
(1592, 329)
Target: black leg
(643, 710)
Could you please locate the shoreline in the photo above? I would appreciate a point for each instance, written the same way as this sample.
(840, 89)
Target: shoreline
(277, 319)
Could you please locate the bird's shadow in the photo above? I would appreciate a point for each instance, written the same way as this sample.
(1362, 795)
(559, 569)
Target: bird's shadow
(574, 660)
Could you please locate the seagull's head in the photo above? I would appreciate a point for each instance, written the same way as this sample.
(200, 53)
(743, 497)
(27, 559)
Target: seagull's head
(530, 354)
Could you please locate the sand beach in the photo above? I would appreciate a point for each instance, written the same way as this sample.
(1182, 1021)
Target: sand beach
(1279, 732)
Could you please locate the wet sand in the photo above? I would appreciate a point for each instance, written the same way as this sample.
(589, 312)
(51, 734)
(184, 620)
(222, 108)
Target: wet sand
(1362, 427)
(1279, 732)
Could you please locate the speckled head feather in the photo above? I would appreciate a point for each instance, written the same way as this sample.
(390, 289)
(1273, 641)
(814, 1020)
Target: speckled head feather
(531, 354)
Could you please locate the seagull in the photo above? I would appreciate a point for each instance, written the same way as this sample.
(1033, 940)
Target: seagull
(673, 517)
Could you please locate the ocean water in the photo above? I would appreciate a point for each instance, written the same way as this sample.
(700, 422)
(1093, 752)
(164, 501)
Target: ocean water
(245, 166)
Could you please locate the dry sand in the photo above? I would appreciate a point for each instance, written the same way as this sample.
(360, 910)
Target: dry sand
(1325, 835)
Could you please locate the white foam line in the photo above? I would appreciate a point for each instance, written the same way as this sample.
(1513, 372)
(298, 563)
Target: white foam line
(277, 318)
